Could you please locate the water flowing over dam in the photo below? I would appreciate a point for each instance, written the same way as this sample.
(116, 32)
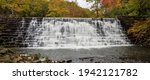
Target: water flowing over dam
(52, 33)
(74, 33)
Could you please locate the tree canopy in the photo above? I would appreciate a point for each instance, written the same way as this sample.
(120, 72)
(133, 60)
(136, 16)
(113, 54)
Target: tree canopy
(63, 8)
(42, 8)
(112, 8)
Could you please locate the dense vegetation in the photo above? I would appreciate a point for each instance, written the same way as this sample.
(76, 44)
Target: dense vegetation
(113, 8)
(42, 8)
(63, 8)
(140, 31)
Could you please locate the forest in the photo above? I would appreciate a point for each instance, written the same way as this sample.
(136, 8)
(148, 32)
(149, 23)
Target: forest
(63, 8)
(42, 8)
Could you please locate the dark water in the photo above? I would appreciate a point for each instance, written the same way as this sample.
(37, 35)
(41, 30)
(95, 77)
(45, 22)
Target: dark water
(128, 54)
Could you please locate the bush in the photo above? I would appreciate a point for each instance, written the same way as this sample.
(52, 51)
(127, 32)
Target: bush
(141, 32)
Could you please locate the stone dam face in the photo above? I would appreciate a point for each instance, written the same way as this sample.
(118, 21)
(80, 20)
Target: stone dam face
(9, 34)
(62, 32)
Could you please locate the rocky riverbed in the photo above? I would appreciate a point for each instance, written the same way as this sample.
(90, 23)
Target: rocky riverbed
(8, 55)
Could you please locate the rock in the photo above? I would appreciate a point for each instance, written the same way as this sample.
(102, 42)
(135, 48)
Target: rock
(24, 55)
(29, 58)
(48, 61)
(91, 60)
(18, 59)
(42, 59)
(6, 51)
(54, 61)
(3, 51)
(7, 55)
(6, 58)
(37, 61)
(69, 61)
(10, 51)
(64, 61)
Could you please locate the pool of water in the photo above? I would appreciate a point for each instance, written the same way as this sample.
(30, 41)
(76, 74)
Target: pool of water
(125, 54)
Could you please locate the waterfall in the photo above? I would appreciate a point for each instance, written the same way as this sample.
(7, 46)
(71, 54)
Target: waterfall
(75, 33)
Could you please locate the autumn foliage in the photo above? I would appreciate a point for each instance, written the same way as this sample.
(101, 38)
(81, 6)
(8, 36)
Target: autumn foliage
(42, 8)
(63, 8)
(110, 4)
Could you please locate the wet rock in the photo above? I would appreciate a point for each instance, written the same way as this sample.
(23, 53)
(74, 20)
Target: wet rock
(54, 61)
(69, 61)
(91, 60)
(42, 59)
(64, 61)
(49, 61)
(37, 61)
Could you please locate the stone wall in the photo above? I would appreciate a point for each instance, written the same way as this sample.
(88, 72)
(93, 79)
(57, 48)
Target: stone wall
(9, 34)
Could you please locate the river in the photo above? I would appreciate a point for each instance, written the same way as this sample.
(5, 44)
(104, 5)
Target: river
(124, 54)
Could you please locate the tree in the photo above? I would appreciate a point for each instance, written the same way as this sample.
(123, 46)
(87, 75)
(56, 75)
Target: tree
(112, 3)
(24, 7)
(138, 7)
(76, 11)
(62, 8)
(114, 8)
(96, 7)
(57, 8)
(34, 7)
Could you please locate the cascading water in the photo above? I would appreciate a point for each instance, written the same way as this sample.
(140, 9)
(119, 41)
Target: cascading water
(75, 33)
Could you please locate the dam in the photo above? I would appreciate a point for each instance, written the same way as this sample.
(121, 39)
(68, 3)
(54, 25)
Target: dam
(74, 39)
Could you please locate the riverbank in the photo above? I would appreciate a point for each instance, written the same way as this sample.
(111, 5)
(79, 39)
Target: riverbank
(11, 56)
(120, 54)
(8, 55)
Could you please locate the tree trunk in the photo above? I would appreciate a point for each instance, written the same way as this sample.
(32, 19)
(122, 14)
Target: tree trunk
(97, 14)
